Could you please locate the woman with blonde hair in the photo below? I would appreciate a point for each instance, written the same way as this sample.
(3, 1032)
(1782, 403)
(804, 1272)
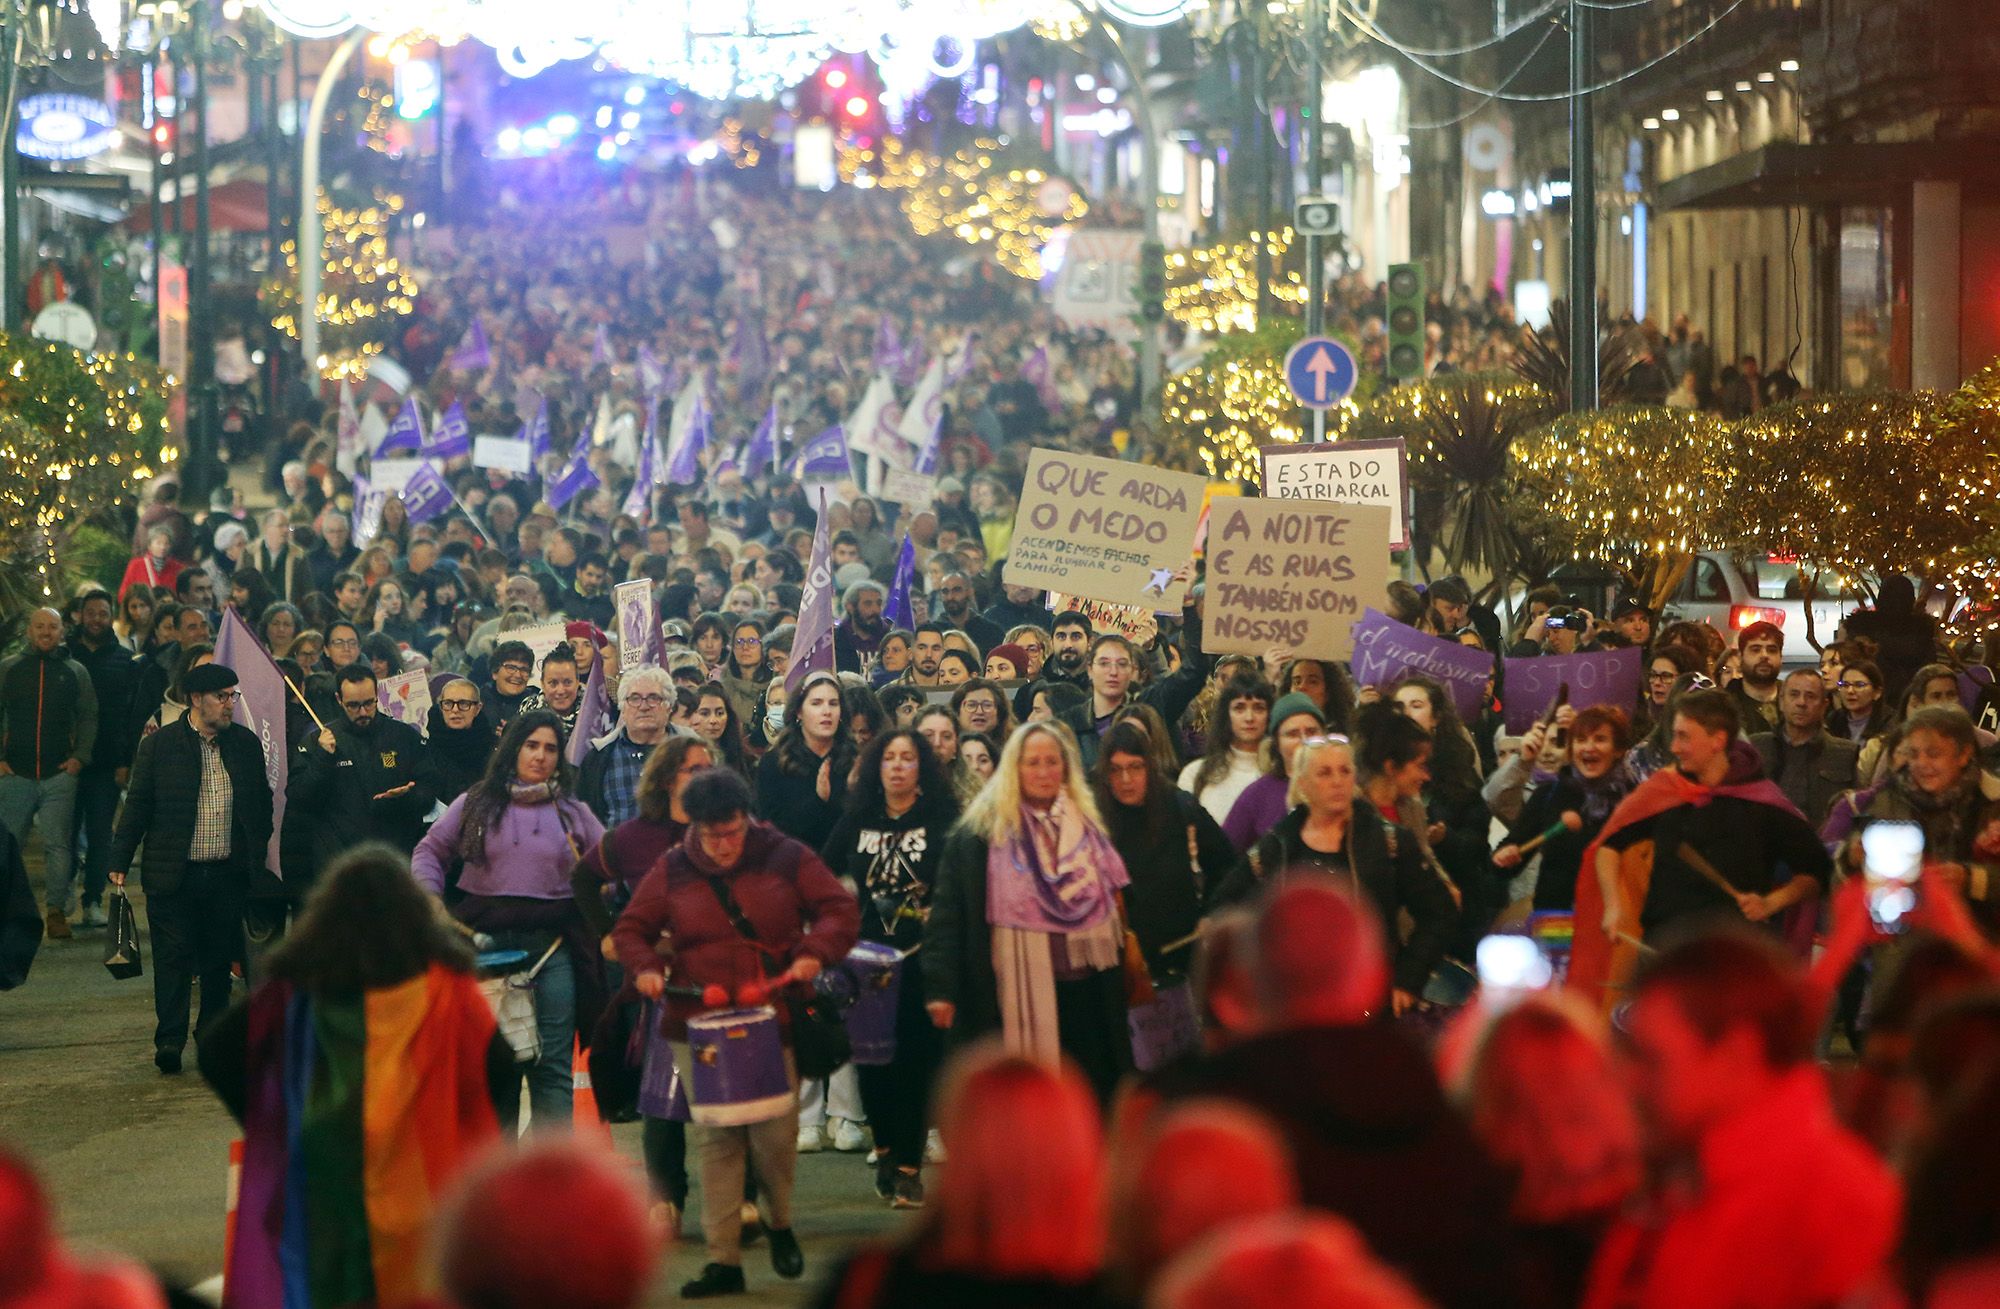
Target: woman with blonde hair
(1005, 1226)
(1538, 1087)
(1026, 934)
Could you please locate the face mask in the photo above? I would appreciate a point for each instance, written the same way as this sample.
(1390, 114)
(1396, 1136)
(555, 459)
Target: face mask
(774, 720)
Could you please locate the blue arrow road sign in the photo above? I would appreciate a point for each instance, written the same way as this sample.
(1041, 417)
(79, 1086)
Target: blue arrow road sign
(1321, 372)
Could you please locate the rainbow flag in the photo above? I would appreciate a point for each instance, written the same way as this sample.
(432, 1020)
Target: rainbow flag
(360, 1112)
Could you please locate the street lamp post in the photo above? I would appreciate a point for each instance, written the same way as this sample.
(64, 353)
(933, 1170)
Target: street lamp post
(1583, 376)
(1149, 198)
(311, 234)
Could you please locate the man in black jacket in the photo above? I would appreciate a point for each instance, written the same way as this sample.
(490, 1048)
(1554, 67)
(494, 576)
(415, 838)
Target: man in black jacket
(364, 777)
(48, 727)
(200, 802)
(113, 674)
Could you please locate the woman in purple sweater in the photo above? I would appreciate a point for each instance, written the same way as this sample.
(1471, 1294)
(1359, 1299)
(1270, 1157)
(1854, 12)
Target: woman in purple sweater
(1262, 804)
(515, 836)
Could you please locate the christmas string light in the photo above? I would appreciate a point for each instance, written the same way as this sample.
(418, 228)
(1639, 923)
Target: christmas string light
(363, 288)
(974, 195)
(1213, 288)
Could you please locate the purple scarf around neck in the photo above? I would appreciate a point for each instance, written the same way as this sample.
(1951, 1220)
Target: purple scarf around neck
(1056, 872)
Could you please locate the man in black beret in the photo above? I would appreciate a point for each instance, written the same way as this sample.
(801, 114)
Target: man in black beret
(200, 801)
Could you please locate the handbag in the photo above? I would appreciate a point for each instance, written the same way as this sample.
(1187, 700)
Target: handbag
(819, 1034)
(1138, 977)
(121, 951)
(512, 996)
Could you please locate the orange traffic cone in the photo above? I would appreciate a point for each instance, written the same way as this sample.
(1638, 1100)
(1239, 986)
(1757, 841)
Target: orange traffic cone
(584, 1118)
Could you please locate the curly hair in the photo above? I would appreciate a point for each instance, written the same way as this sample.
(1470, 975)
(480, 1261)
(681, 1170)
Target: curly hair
(937, 801)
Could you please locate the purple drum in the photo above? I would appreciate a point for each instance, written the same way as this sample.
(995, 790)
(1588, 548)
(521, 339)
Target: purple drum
(661, 1094)
(738, 1068)
(877, 973)
(1164, 1030)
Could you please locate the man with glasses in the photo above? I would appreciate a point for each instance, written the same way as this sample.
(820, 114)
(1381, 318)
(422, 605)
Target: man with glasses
(48, 730)
(609, 779)
(199, 801)
(1809, 764)
(507, 692)
(364, 777)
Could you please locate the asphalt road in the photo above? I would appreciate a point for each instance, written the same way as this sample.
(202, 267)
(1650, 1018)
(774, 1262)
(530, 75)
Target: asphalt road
(138, 1162)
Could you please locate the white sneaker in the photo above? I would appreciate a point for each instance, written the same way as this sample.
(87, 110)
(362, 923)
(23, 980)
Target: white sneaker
(934, 1148)
(93, 916)
(848, 1138)
(810, 1140)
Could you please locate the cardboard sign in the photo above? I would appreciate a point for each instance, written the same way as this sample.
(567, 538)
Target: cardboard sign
(1345, 473)
(504, 452)
(540, 640)
(1607, 677)
(390, 476)
(1135, 624)
(1105, 529)
(1385, 649)
(633, 602)
(406, 697)
(1296, 573)
(906, 488)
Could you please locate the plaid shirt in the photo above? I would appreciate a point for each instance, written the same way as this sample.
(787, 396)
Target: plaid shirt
(621, 780)
(215, 805)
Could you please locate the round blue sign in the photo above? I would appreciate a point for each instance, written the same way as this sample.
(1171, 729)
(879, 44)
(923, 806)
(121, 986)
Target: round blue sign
(1321, 372)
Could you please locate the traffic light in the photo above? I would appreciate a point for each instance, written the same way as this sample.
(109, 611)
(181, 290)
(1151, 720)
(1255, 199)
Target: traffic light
(163, 139)
(1153, 281)
(1406, 322)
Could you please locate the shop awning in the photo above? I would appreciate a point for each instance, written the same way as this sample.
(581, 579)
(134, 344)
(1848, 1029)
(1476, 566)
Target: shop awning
(1858, 173)
(236, 206)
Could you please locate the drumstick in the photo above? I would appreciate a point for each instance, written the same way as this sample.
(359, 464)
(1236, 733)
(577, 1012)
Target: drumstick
(1693, 859)
(1184, 942)
(1571, 821)
(1632, 940)
(302, 700)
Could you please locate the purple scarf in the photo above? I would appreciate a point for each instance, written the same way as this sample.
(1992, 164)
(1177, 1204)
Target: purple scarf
(1057, 872)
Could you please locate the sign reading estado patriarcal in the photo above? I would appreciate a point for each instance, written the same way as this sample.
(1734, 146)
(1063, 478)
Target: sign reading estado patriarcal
(1295, 573)
(1347, 473)
(1104, 529)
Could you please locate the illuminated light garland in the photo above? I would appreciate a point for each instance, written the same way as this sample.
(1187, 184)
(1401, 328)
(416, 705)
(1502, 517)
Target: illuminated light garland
(1214, 416)
(1213, 288)
(975, 195)
(363, 287)
(77, 435)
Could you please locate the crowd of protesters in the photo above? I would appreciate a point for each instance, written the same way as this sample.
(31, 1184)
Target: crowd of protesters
(1234, 903)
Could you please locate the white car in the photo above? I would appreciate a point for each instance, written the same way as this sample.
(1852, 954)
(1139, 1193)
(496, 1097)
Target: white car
(1730, 594)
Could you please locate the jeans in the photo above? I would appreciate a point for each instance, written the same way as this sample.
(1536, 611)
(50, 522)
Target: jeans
(97, 793)
(549, 1084)
(197, 931)
(53, 798)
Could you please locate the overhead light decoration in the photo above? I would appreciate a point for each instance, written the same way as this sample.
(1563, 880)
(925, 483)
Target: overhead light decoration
(1144, 13)
(311, 19)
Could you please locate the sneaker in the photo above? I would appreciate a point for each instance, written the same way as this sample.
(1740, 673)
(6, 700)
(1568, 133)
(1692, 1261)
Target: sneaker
(93, 916)
(885, 1178)
(934, 1148)
(787, 1260)
(848, 1138)
(909, 1190)
(716, 1279)
(58, 924)
(811, 1140)
(876, 1156)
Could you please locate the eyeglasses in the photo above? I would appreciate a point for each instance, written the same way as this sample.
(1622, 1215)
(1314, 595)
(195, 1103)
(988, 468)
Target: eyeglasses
(225, 697)
(343, 643)
(457, 706)
(1862, 685)
(519, 670)
(1661, 677)
(357, 705)
(742, 641)
(645, 701)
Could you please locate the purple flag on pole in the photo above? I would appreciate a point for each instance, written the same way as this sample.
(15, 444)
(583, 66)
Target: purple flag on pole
(452, 437)
(260, 706)
(812, 644)
(600, 348)
(473, 352)
(406, 433)
(685, 470)
(898, 610)
(425, 495)
(367, 517)
(1037, 372)
(763, 448)
(639, 502)
(537, 429)
(593, 718)
(652, 373)
(576, 477)
(927, 455)
(888, 349)
(825, 457)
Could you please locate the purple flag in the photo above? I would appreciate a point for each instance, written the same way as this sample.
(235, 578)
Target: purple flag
(537, 429)
(763, 448)
(639, 502)
(600, 348)
(260, 706)
(347, 441)
(1037, 372)
(452, 437)
(898, 610)
(576, 477)
(912, 366)
(1385, 648)
(652, 373)
(425, 495)
(927, 454)
(367, 517)
(406, 433)
(825, 457)
(685, 469)
(473, 353)
(812, 644)
(957, 369)
(888, 349)
(593, 717)
(1607, 677)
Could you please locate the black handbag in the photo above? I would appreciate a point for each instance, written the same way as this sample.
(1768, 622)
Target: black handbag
(819, 1034)
(121, 951)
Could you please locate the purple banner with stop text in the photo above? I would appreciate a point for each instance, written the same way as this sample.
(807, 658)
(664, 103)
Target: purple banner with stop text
(1385, 649)
(1605, 677)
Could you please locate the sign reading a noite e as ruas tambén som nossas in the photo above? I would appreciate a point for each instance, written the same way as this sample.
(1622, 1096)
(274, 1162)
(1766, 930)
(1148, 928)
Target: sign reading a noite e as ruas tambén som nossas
(1104, 529)
(1293, 573)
